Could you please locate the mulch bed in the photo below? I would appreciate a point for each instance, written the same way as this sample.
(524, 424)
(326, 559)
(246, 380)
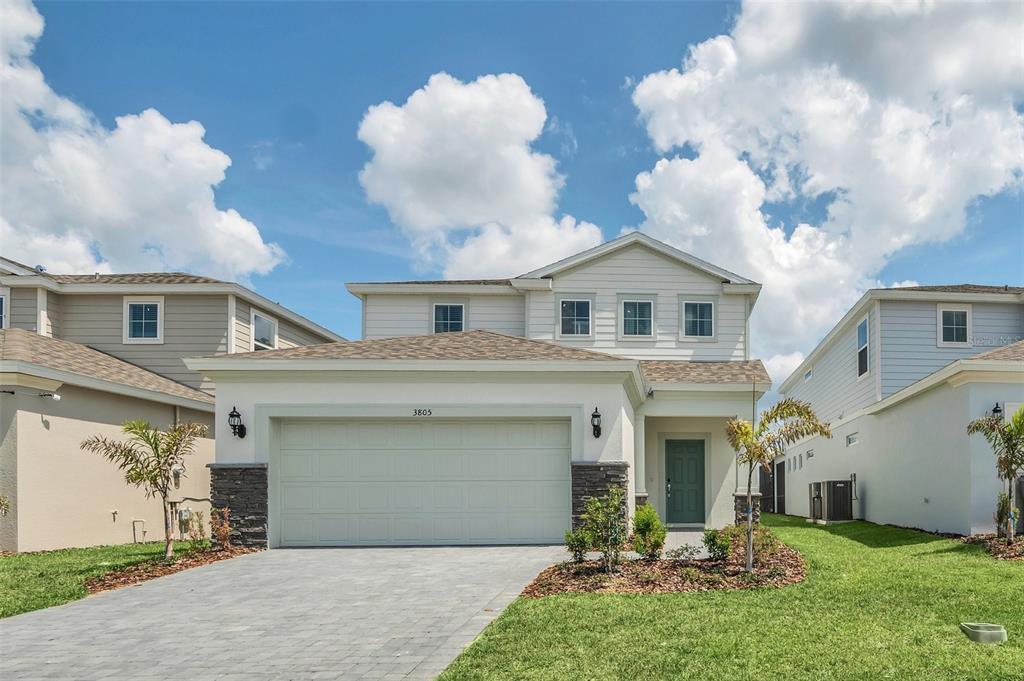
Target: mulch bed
(782, 567)
(143, 572)
(998, 547)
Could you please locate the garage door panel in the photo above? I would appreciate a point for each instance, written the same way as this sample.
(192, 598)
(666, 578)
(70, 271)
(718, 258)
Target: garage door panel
(425, 482)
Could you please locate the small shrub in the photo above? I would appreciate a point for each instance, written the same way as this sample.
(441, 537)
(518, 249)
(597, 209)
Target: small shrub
(691, 574)
(5, 506)
(1002, 515)
(220, 527)
(604, 524)
(577, 543)
(648, 532)
(195, 532)
(684, 552)
(718, 544)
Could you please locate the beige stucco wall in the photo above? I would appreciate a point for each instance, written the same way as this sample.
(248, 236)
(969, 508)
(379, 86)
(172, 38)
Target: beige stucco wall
(65, 496)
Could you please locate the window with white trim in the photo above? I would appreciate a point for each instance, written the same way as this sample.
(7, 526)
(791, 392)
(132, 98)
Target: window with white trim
(862, 347)
(638, 318)
(852, 439)
(449, 317)
(698, 319)
(954, 326)
(4, 308)
(264, 332)
(808, 375)
(574, 317)
(143, 320)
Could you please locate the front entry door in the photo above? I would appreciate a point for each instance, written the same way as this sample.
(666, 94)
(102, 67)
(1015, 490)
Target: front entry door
(684, 481)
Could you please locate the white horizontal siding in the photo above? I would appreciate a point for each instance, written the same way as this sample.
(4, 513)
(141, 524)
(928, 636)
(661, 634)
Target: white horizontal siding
(640, 270)
(243, 331)
(291, 336)
(834, 390)
(53, 313)
(910, 348)
(387, 315)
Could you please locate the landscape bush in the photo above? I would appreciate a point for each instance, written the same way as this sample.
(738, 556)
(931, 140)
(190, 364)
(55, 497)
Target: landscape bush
(648, 532)
(718, 544)
(604, 525)
(577, 542)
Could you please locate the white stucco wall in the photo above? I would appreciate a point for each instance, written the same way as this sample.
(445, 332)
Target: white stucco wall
(914, 462)
(446, 395)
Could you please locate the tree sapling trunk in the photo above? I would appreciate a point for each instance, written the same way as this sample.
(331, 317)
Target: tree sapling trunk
(750, 519)
(168, 530)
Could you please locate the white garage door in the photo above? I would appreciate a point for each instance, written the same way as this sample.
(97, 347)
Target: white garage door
(423, 481)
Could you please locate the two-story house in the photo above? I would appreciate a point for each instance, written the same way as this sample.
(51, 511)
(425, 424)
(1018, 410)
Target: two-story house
(486, 411)
(899, 378)
(81, 354)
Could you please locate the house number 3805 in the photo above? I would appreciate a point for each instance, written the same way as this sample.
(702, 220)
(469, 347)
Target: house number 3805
(422, 412)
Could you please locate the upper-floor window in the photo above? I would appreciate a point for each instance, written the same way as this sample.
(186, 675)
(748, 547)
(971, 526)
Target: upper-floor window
(143, 319)
(4, 312)
(852, 439)
(698, 319)
(264, 331)
(449, 317)
(954, 322)
(638, 318)
(574, 317)
(862, 347)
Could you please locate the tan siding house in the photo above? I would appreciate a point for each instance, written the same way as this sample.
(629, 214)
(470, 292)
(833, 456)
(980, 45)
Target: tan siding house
(111, 348)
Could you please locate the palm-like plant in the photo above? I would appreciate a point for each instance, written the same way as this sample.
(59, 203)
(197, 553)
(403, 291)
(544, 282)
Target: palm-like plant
(1007, 440)
(780, 426)
(149, 459)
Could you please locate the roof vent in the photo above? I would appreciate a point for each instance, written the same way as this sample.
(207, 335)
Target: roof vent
(39, 269)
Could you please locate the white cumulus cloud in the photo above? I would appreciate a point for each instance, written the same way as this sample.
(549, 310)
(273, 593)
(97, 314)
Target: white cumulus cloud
(896, 116)
(77, 196)
(455, 169)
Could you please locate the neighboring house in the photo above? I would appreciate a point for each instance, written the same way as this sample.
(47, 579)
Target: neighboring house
(899, 378)
(81, 354)
(485, 411)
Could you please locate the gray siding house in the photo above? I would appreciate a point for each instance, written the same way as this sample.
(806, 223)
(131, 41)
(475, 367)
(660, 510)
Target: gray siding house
(81, 354)
(899, 378)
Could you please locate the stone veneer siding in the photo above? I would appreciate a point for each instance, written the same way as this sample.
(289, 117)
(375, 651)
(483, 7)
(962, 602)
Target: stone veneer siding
(594, 479)
(741, 507)
(243, 489)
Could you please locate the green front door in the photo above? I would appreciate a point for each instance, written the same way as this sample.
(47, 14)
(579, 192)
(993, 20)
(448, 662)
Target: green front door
(684, 481)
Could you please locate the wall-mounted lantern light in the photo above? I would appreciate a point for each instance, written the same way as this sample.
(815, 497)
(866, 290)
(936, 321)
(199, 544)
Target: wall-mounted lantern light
(997, 411)
(235, 421)
(595, 421)
(51, 396)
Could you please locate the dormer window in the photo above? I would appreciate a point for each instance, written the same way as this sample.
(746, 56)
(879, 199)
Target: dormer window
(143, 320)
(449, 318)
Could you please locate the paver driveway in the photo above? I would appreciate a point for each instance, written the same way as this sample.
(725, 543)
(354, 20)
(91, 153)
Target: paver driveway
(381, 613)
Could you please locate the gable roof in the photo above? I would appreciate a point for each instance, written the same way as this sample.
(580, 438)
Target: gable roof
(65, 357)
(1013, 352)
(465, 345)
(637, 238)
(676, 371)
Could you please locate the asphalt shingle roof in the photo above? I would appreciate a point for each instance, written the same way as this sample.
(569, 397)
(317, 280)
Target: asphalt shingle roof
(1013, 352)
(466, 345)
(962, 288)
(432, 282)
(674, 371)
(61, 355)
(133, 278)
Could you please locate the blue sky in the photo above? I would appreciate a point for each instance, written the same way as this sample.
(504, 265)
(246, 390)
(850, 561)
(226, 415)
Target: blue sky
(281, 88)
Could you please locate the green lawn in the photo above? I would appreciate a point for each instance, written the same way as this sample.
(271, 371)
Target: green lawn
(878, 603)
(30, 581)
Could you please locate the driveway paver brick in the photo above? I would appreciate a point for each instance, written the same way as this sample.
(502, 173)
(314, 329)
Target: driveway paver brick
(285, 614)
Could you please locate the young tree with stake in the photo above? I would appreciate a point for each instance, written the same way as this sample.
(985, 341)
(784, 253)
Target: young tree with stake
(149, 459)
(1007, 440)
(781, 425)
